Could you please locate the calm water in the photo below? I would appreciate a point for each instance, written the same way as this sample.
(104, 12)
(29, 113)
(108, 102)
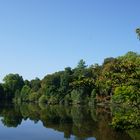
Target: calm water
(40, 122)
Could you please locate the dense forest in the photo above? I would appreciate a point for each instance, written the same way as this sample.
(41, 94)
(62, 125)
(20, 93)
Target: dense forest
(116, 80)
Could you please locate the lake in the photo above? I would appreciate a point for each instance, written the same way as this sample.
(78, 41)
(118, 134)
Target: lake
(57, 122)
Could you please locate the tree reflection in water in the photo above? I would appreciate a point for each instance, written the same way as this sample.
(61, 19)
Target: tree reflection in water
(80, 121)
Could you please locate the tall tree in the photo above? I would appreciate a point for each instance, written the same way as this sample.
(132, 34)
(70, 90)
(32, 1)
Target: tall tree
(81, 64)
(12, 83)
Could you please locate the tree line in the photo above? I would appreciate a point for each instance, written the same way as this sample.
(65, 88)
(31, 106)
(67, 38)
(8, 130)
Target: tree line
(117, 80)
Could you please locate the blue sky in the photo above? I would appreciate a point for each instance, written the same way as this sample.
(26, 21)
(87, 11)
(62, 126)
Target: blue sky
(38, 37)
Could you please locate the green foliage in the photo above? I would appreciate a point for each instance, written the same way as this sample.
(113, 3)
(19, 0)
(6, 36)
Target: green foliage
(127, 95)
(126, 118)
(65, 79)
(67, 99)
(33, 97)
(12, 83)
(81, 64)
(134, 134)
(53, 100)
(115, 76)
(108, 60)
(43, 99)
(35, 85)
(51, 84)
(78, 96)
(124, 70)
(117, 79)
(25, 92)
(93, 94)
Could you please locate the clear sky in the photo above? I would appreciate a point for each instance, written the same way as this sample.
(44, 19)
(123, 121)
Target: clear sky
(38, 37)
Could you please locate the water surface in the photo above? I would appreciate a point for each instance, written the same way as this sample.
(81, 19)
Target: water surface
(41, 122)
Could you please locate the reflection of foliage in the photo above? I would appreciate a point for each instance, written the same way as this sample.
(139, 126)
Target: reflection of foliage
(126, 118)
(43, 99)
(134, 134)
(78, 116)
(11, 117)
(80, 121)
(94, 115)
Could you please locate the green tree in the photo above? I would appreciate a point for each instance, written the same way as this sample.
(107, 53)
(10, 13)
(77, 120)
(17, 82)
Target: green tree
(80, 71)
(51, 84)
(81, 64)
(35, 84)
(127, 95)
(27, 82)
(12, 83)
(25, 92)
(108, 60)
(65, 79)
